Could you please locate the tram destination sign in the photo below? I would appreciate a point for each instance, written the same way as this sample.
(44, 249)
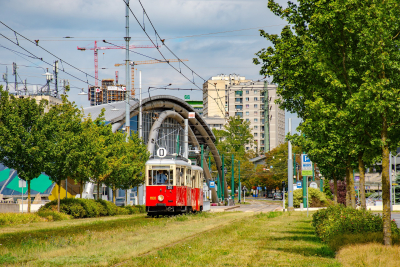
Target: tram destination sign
(306, 165)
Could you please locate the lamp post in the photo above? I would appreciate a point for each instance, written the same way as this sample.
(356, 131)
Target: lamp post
(49, 78)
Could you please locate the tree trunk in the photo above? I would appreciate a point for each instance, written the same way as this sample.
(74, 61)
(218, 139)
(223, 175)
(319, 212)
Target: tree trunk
(352, 189)
(126, 197)
(387, 231)
(348, 202)
(81, 189)
(114, 191)
(59, 196)
(361, 168)
(335, 198)
(98, 190)
(29, 195)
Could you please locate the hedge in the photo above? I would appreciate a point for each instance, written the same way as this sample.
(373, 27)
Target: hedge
(338, 220)
(89, 208)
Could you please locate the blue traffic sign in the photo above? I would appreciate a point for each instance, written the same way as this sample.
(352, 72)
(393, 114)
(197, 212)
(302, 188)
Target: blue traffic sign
(212, 184)
(299, 185)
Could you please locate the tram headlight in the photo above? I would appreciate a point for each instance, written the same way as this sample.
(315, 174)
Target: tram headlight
(160, 198)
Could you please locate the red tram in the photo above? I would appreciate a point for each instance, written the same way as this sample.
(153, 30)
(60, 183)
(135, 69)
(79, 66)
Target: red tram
(173, 186)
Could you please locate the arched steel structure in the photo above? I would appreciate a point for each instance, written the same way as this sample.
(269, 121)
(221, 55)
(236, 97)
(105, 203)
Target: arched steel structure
(176, 108)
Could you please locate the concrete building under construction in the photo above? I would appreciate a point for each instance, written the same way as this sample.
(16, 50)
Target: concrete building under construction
(107, 93)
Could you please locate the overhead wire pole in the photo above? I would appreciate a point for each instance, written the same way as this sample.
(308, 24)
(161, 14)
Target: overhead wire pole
(128, 91)
(290, 171)
(128, 86)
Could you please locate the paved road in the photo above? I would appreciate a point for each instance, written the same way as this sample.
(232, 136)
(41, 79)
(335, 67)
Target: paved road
(254, 206)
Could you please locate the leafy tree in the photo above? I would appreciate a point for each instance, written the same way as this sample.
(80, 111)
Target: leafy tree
(65, 123)
(342, 56)
(232, 140)
(24, 135)
(127, 162)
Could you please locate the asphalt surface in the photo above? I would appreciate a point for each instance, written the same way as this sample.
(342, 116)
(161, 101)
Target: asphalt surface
(254, 206)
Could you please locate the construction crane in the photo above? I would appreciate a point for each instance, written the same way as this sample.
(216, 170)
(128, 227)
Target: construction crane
(96, 56)
(133, 63)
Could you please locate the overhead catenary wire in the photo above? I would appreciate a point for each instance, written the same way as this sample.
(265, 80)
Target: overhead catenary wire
(162, 41)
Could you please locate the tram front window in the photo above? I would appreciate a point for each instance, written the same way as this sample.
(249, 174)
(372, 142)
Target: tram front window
(160, 177)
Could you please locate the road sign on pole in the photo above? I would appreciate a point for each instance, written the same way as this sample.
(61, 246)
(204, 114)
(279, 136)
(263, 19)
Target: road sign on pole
(306, 165)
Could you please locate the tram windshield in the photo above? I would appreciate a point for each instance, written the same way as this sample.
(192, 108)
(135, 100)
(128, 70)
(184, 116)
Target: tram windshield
(160, 177)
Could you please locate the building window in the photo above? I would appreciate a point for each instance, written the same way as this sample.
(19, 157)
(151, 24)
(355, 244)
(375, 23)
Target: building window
(262, 113)
(262, 128)
(255, 134)
(238, 100)
(255, 120)
(247, 105)
(240, 107)
(247, 113)
(247, 120)
(262, 107)
(255, 106)
(262, 149)
(262, 142)
(262, 135)
(247, 99)
(247, 92)
(256, 99)
(238, 93)
(255, 112)
(240, 114)
(255, 127)
(262, 120)
(247, 148)
(255, 92)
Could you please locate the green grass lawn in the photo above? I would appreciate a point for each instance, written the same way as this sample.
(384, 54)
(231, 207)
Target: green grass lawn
(269, 239)
(207, 239)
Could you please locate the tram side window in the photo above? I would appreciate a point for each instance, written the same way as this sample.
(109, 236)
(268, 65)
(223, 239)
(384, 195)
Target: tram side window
(194, 179)
(188, 177)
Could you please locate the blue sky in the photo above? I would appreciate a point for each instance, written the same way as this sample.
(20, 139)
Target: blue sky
(184, 24)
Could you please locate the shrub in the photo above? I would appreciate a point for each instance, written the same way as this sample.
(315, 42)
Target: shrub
(338, 220)
(19, 218)
(316, 198)
(122, 211)
(53, 215)
(84, 208)
(132, 209)
(110, 207)
(339, 241)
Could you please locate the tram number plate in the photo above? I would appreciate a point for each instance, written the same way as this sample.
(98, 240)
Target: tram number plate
(170, 187)
(152, 198)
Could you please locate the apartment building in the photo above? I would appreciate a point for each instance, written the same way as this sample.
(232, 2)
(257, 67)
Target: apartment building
(254, 101)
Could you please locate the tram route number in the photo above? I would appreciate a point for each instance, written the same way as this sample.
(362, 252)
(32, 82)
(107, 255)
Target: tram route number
(152, 198)
(162, 152)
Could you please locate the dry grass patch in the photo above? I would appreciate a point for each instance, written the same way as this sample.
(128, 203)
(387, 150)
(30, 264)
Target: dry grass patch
(373, 254)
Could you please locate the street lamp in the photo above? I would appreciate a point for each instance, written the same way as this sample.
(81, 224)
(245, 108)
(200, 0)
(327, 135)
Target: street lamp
(82, 92)
(49, 78)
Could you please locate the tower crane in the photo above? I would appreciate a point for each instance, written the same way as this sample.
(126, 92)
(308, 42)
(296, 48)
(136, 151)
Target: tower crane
(96, 57)
(133, 63)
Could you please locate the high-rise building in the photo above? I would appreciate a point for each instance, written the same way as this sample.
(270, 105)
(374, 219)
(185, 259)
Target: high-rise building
(254, 101)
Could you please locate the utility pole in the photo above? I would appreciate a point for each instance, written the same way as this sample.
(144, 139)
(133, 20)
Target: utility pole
(5, 78)
(294, 169)
(15, 74)
(240, 186)
(55, 77)
(223, 177)
(290, 172)
(127, 80)
(233, 178)
(26, 87)
(140, 106)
